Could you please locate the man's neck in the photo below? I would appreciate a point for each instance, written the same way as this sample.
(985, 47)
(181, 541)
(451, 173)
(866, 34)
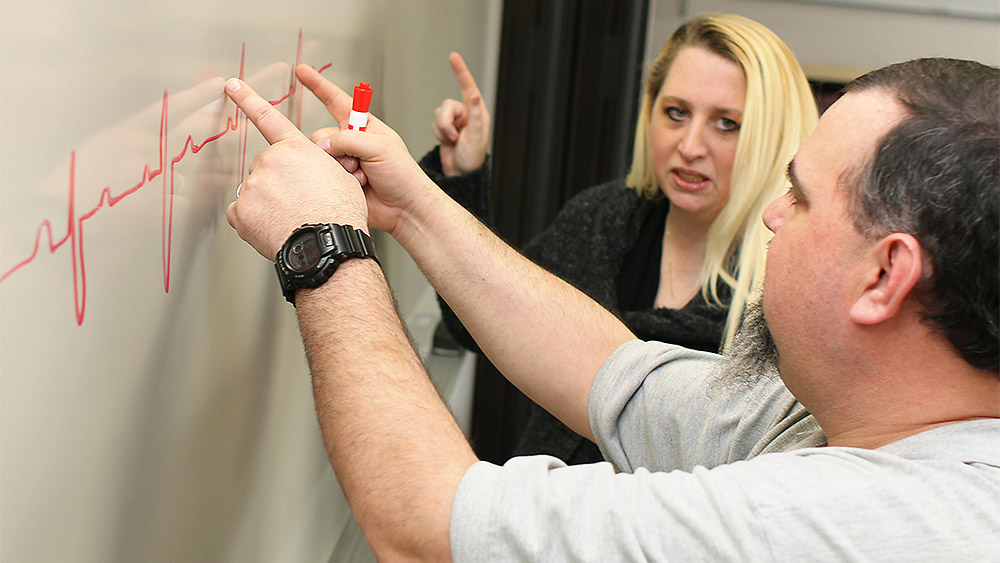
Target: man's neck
(893, 405)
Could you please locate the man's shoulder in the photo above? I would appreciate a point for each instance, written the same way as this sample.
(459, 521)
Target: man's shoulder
(971, 442)
(698, 420)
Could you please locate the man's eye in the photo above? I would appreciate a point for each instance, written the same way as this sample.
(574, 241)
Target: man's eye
(791, 195)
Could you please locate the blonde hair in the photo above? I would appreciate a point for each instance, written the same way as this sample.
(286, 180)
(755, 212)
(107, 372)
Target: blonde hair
(779, 114)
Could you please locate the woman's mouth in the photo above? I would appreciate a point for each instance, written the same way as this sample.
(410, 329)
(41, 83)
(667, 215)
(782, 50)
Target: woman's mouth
(689, 179)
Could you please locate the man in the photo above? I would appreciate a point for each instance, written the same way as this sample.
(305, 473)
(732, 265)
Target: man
(881, 294)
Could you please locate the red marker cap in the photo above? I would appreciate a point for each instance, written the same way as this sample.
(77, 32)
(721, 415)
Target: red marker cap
(362, 97)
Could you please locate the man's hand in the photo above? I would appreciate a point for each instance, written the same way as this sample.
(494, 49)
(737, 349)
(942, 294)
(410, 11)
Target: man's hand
(393, 181)
(291, 183)
(462, 128)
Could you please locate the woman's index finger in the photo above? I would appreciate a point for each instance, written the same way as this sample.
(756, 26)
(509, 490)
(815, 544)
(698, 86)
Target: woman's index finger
(465, 79)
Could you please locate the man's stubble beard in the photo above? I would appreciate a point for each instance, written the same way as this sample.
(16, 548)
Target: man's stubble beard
(751, 356)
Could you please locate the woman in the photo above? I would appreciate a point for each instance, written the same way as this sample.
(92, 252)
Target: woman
(676, 246)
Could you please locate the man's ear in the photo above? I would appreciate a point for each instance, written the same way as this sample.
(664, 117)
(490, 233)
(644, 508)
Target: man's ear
(897, 267)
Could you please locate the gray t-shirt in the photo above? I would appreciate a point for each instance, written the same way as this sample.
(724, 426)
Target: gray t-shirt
(708, 475)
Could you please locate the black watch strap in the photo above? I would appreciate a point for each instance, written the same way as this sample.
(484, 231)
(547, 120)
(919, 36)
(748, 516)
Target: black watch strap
(337, 243)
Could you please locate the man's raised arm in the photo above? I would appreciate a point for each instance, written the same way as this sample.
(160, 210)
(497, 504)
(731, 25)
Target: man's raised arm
(545, 336)
(396, 450)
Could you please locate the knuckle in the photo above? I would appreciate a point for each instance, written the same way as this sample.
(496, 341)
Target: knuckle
(261, 115)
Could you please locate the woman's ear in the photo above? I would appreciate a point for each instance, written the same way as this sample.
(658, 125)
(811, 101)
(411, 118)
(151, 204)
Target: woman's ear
(896, 266)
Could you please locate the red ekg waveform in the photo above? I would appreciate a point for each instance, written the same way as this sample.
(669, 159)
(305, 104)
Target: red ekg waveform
(75, 219)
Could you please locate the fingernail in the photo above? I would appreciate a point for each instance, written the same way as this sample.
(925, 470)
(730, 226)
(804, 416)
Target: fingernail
(233, 84)
(325, 144)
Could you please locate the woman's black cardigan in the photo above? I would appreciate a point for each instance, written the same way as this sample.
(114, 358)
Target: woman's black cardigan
(606, 241)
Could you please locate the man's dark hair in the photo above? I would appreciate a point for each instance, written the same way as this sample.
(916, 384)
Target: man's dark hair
(936, 176)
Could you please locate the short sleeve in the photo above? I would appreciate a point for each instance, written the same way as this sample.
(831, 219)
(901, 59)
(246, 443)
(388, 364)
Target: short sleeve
(657, 406)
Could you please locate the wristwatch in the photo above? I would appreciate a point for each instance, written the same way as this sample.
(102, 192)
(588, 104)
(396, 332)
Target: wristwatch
(312, 254)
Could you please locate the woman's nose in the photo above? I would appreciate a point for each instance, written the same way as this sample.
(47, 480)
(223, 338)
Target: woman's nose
(693, 145)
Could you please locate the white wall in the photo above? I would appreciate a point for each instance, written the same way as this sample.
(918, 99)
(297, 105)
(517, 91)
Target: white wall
(419, 37)
(838, 42)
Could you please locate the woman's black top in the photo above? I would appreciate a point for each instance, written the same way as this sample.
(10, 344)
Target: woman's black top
(607, 242)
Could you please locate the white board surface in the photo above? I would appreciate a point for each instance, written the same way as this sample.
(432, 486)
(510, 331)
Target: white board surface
(155, 404)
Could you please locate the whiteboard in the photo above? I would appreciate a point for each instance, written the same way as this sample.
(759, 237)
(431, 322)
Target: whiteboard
(155, 404)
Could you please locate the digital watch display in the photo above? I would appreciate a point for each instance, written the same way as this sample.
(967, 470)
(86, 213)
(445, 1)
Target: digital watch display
(304, 252)
(312, 254)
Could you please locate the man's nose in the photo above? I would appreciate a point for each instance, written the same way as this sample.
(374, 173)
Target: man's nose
(774, 214)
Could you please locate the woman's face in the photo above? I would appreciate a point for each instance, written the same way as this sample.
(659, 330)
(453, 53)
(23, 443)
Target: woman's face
(693, 129)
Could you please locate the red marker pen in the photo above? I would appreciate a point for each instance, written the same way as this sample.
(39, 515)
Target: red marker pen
(359, 111)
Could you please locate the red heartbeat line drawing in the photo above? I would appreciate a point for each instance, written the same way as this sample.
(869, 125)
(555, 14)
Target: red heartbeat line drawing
(74, 222)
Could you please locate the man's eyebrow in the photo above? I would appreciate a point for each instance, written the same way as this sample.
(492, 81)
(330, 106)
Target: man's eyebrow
(793, 181)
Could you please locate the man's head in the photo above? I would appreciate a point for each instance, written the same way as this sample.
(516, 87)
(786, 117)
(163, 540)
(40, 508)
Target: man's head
(892, 217)
(936, 176)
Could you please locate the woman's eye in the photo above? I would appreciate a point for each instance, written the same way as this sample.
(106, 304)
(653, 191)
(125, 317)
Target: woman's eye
(676, 113)
(727, 124)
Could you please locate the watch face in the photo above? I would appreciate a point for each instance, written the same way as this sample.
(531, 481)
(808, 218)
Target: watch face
(303, 252)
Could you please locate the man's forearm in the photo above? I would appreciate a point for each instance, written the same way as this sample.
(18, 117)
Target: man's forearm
(545, 336)
(396, 449)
